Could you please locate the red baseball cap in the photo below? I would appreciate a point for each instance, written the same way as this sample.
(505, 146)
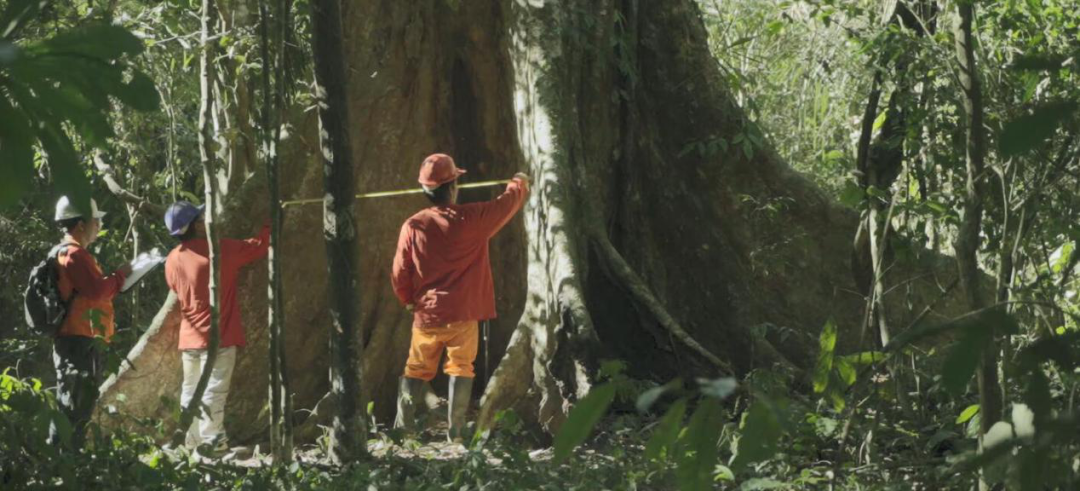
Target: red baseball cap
(438, 169)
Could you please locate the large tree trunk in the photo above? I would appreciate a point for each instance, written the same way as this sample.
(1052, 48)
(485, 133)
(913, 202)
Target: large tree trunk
(681, 263)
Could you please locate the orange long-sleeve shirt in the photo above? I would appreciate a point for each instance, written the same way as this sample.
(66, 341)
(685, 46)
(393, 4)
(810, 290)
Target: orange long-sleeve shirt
(442, 265)
(187, 272)
(80, 274)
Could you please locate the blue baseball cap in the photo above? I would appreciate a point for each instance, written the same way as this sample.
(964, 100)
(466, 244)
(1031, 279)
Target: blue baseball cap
(180, 215)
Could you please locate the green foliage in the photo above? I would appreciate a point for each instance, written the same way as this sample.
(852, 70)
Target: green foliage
(586, 413)
(123, 460)
(968, 413)
(60, 84)
(761, 434)
(697, 453)
(833, 374)
(667, 432)
(1030, 131)
(115, 461)
(823, 369)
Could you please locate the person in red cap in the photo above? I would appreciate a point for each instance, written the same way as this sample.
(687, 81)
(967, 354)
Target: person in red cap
(442, 274)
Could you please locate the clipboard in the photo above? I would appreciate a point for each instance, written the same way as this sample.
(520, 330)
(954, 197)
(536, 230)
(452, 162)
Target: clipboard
(142, 264)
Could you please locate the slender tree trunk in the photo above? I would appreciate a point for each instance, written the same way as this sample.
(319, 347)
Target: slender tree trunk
(871, 224)
(133, 215)
(967, 240)
(206, 154)
(236, 92)
(280, 413)
(339, 228)
(284, 27)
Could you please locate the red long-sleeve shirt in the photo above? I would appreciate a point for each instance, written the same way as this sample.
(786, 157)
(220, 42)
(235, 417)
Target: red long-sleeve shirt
(80, 274)
(187, 271)
(442, 265)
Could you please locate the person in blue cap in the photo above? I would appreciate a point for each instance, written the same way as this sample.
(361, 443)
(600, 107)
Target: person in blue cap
(187, 272)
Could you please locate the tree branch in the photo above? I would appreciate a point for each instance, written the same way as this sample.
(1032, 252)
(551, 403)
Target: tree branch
(142, 204)
(640, 291)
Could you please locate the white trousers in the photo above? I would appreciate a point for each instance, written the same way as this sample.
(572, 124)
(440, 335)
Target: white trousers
(209, 424)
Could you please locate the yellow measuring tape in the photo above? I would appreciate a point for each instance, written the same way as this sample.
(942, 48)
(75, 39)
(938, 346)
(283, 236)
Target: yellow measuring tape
(385, 194)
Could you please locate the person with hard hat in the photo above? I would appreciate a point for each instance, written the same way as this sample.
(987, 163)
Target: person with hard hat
(187, 272)
(89, 296)
(442, 273)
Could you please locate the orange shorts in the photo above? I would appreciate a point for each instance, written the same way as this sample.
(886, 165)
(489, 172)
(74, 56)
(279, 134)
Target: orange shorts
(460, 340)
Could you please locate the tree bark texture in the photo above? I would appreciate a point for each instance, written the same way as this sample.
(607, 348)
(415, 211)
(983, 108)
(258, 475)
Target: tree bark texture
(629, 246)
(339, 226)
(968, 240)
(281, 442)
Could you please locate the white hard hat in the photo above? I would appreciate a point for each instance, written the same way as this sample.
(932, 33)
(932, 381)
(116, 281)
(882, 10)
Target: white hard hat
(65, 209)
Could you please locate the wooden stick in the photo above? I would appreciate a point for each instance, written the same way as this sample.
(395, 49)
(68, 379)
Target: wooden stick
(385, 194)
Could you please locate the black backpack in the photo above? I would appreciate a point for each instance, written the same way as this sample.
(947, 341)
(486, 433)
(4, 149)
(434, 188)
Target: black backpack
(45, 309)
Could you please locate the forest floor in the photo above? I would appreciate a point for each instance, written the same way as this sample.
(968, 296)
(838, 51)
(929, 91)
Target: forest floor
(429, 445)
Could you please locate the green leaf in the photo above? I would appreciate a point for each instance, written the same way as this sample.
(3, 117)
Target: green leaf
(824, 427)
(1061, 350)
(1033, 470)
(667, 431)
(16, 154)
(102, 41)
(1031, 130)
(140, 93)
(963, 359)
(67, 104)
(995, 319)
(827, 344)
(835, 393)
(865, 358)
(761, 432)
(879, 121)
(845, 371)
(68, 176)
(852, 195)
(723, 474)
(741, 41)
(611, 369)
(937, 207)
(1038, 62)
(971, 410)
(63, 426)
(698, 452)
(877, 192)
(582, 419)
(1038, 398)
